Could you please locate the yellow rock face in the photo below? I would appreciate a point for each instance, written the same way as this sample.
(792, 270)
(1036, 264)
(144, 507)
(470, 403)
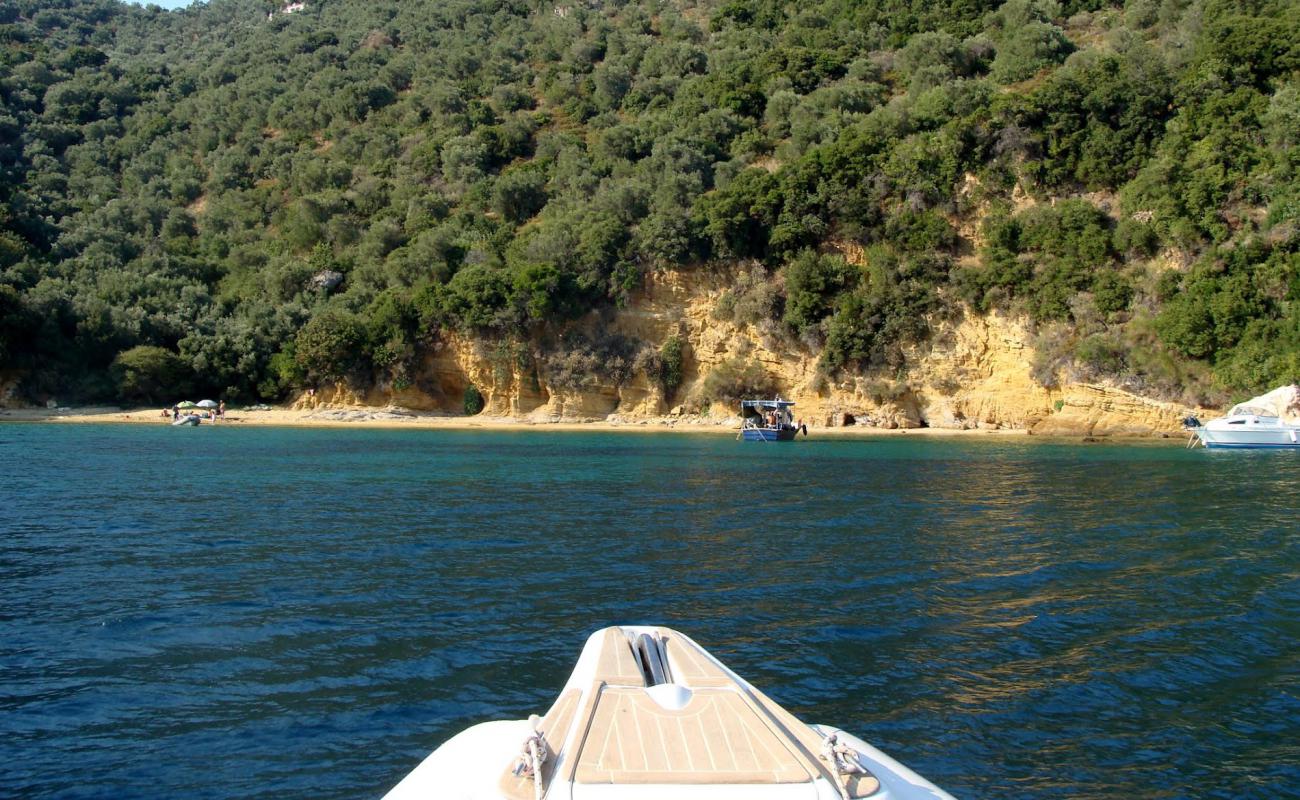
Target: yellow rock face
(974, 373)
(1093, 410)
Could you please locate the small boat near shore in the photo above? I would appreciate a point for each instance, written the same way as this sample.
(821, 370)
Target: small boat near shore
(1270, 421)
(187, 420)
(769, 421)
(648, 713)
(1248, 431)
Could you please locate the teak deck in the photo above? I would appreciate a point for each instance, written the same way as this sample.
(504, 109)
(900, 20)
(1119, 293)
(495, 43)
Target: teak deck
(614, 732)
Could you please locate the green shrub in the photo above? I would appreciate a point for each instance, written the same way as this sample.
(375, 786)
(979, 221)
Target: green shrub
(1111, 292)
(852, 332)
(670, 365)
(1054, 285)
(1026, 39)
(473, 401)
(477, 298)
(1072, 229)
(1098, 118)
(1045, 256)
(812, 282)
(147, 374)
(509, 357)
(1186, 323)
(1168, 285)
(919, 232)
(1027, 49)
(331, 347)
(930, 59)
(1267, 355)
(282, 374)
(16, 324)
(1136, 238)
(519, 194)
(740, 217)
(1099, 355)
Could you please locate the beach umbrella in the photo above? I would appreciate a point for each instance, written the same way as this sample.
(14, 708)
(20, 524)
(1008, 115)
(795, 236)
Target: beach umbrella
(185, 404)
(207, 404)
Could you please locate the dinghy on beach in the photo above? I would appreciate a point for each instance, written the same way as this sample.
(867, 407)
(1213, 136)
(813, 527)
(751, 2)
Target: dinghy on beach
(647, 713)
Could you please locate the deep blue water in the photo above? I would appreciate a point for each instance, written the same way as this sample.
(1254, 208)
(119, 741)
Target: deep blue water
(225, 612)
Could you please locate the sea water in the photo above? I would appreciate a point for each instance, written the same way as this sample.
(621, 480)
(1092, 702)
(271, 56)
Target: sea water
(230, 612)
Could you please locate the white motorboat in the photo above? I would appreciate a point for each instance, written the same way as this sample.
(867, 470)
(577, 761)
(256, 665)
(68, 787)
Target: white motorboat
(1248, 431)
(647, 714)
(1267, 421)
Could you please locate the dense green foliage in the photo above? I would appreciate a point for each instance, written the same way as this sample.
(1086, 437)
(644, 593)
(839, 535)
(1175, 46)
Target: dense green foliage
(473, 400)
(671, 356)
(250, 204)
(150, 374)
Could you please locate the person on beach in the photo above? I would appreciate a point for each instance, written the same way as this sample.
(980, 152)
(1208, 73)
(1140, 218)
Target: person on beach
(221, 411)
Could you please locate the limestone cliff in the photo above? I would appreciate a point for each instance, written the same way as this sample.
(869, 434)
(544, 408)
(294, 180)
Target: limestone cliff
(974, 372)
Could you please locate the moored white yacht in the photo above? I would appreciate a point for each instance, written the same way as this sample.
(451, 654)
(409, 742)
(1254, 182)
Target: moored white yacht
(647, 713)
(1267, 421)
(1248, 431)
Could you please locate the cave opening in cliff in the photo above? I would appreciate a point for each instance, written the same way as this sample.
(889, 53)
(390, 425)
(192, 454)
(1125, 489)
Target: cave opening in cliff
(849, 419)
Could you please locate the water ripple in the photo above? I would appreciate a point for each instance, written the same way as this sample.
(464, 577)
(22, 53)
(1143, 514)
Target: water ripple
(236, 613)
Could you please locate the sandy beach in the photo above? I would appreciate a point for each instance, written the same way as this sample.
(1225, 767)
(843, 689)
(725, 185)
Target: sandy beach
(397, 417)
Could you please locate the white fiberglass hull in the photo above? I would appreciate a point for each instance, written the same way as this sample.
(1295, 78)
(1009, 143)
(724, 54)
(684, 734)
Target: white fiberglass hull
(695, 731)
(1248, 432)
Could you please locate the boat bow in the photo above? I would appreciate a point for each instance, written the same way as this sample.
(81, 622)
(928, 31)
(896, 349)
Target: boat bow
(648, 713)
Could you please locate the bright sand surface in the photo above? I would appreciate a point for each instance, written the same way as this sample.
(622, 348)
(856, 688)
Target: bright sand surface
(394, 417)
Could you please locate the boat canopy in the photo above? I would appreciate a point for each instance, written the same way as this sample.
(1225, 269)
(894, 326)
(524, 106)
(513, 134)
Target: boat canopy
(778, 403)
(1283, 403)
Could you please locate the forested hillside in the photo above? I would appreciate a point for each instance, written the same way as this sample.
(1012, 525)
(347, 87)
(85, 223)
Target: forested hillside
(240, 204)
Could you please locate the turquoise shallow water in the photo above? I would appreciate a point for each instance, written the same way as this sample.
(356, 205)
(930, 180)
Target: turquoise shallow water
(224, 612)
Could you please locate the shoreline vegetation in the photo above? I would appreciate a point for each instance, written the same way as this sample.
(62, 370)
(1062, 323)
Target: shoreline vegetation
(396, 417)
(214, 202)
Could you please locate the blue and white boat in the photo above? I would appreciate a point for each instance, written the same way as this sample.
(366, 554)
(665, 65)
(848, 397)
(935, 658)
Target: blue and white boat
(769, 421)
(1265, 422)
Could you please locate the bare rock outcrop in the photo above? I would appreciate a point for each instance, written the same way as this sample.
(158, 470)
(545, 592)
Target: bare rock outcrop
(1093, 410)
(326, 280)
